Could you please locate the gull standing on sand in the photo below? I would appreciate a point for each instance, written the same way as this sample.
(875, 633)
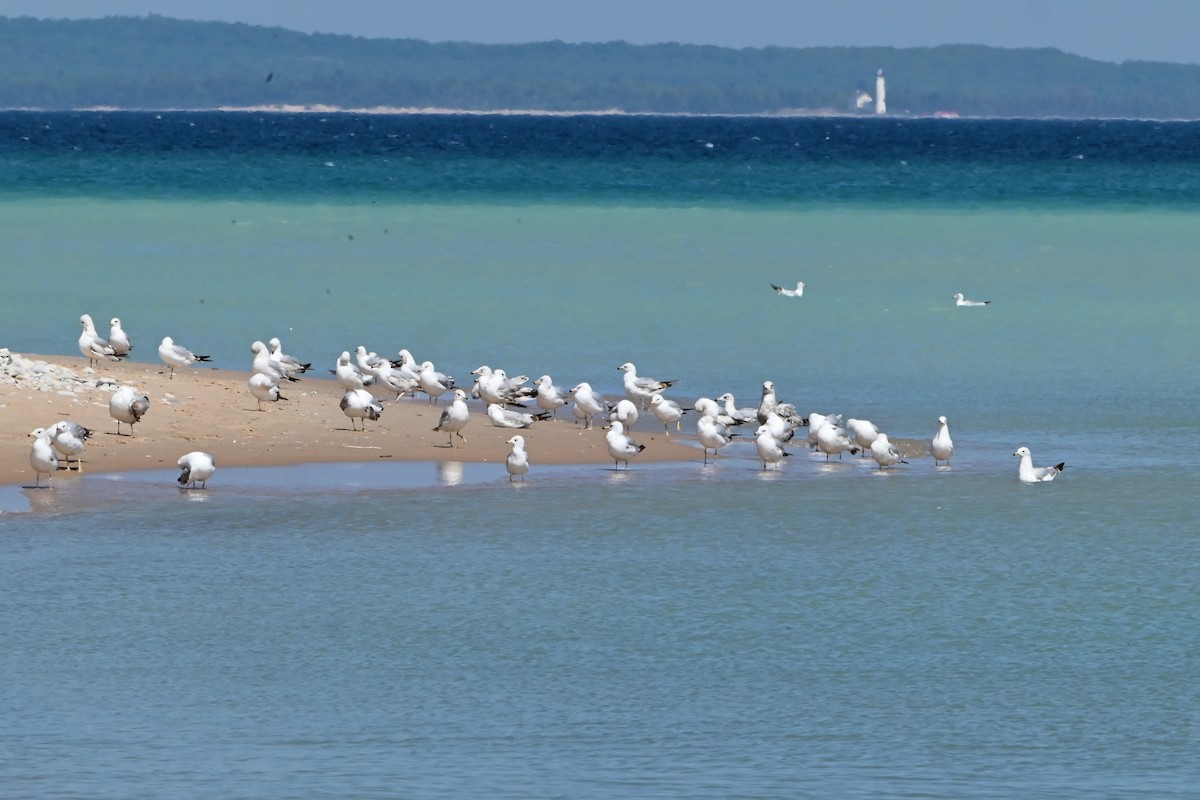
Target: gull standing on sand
(41, 456)
(797, 292)
(588, 403)
(265, 389)
(290, 365)
(69, 439)
(118, 340)
(360, 404)
(963, 302)
(502, 417)
(174, 355)
(1028, 473)
(770, 449)
(621, 446)
(197, 467)
(550, 397)
(347, 375)
(885, 453)
(941, 447)
(455, 417)
(129, 406)
(668, 412)
(517, 462)
(707, 407)
(625, 412)
(640, 389)
(389, 383)
(93, 348)
(434, 383)
(265, 365)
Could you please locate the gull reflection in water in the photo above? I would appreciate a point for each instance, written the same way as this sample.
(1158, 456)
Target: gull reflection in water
(450, 473)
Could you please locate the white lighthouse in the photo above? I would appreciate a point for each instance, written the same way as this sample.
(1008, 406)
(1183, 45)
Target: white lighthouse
(880, 93)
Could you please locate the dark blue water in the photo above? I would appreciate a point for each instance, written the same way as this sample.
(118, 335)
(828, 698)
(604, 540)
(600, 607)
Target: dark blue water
(651, 160)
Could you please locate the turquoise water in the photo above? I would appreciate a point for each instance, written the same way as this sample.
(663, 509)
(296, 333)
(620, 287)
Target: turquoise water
(682, 630)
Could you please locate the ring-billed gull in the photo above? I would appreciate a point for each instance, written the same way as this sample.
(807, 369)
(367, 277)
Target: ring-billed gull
(767, 402)
(832, 439)
(885, 453)
(347, 375)
(289, 364)
(434, 383)
(69, 439)
(517, 462)
(668, 412)
(127, 405)
(941, 447)
(41, 456)
(621, 446)
(770, 449)
(197, 467)
(738, 414)
(863, 431)
(1028, 473)
(502, 417)
(960, 300)
(118, 340)
(265, 389)
(797, 292)
(263, 363)
(360, 404)
(625, 412)
(550, 397)
(781, 428)
(640, 389)
(707, 407)
(93, 348)
(388, 383)
(455, 417)
(174, 355)
(712, 434)
(588, 403)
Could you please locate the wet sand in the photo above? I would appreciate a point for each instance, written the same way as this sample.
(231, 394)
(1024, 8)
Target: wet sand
(212, 410)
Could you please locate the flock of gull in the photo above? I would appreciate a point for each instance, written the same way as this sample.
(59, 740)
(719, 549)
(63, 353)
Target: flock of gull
(368, 381)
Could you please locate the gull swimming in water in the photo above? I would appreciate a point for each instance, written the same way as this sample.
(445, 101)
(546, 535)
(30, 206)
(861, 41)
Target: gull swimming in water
(885, 453)
(959, 300)
(502, 417)
(174, 355)
(455, 417)
(265, 389)
(360, 404)
(668, 412)
(118, 340)
(1028, 473)
(797, 292)
(770, 449)
(93, 348)
(197, 467)
(621, 446)
(517, 462)
(42, 457)
(941, 446)
(69, 439)
(640, 389)
(128, 406)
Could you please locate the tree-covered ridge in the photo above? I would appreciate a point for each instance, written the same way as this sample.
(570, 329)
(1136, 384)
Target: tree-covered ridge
(157, 62)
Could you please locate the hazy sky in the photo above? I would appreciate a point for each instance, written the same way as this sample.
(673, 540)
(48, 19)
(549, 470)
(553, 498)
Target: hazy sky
(1109, 30)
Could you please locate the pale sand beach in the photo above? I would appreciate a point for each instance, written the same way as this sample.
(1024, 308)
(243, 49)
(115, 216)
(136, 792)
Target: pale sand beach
(213, 410)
